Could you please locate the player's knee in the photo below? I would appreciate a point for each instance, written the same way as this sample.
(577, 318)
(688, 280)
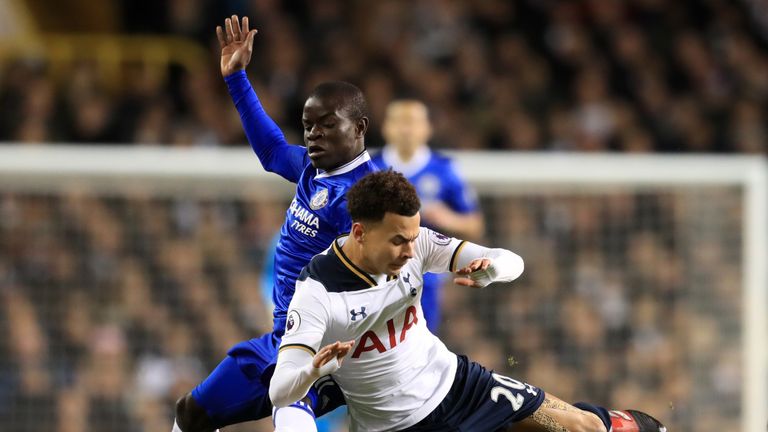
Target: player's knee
(590, 423)
(191, 417)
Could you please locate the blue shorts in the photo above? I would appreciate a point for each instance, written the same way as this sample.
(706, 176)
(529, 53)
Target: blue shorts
(481, 401)
(238, 389)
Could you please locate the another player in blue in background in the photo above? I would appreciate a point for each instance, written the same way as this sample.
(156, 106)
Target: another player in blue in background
(449, 205)
(331, 160)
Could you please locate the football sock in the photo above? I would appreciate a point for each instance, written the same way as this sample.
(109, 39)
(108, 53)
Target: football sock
(176, 427)
(297, 417)
(325, 396)
(601, 412)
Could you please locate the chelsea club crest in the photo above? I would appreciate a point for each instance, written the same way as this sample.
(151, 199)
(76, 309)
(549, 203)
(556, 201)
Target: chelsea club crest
(319, 200)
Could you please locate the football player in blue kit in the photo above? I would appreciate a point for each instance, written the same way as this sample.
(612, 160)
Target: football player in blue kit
(449, 203)
(332, 158)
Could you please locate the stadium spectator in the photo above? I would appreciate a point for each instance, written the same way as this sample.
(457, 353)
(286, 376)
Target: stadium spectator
(643, 76)
(90, 284)
(636, 76)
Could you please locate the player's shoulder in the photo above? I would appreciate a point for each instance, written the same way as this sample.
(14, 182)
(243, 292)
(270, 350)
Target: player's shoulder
(377, 158)
(444, 167)
(341, 182)
(368, 165)
(377, 155)
(312, 271)
(439, 158)
(428, 236)
(334, 272)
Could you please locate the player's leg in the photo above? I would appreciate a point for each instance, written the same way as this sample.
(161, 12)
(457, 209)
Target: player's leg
(296, 417)
(324, 397)
(483, 400)
(191, 417)
(554, 415)
(233, 393)
(524, 407)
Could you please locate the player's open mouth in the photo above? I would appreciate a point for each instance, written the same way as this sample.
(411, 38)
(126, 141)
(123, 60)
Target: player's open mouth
(315, 151)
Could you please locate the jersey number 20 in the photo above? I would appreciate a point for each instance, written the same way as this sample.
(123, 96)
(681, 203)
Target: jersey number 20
(515, 399)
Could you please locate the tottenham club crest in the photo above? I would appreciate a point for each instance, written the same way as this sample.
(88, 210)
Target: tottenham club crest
(319, 200)
(293, 322)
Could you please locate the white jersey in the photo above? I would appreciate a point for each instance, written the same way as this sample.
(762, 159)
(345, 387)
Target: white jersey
(398, 372)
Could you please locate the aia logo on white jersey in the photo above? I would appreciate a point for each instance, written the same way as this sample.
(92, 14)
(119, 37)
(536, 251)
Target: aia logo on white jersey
(370, 341)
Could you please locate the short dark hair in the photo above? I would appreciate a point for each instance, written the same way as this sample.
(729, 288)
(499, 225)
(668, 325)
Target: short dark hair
(380, 192)
(347, 94)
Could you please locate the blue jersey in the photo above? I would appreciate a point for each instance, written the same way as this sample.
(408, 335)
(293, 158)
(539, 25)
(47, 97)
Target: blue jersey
(318, 211)
(436, 180)
(434, 176)
(238, 389)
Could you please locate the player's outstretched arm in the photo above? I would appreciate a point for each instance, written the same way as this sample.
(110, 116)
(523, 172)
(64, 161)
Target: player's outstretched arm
(474, 265)
(265, 137)
(297, 370)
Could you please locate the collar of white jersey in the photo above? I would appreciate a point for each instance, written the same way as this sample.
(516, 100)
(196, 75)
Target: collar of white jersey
(347, 167)
(371, 279)
(410, 168)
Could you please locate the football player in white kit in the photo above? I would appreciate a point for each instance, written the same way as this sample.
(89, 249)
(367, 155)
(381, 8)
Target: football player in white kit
(396, 376)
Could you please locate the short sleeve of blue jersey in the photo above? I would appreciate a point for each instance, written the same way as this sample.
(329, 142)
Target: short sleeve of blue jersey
(265, 137)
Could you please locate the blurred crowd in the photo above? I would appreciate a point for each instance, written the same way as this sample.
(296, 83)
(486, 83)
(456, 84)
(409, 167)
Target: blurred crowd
(112, 307)
(582, 75)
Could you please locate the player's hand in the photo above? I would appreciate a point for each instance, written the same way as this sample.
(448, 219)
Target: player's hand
(236, 43)
(472, 273)
(337, 350)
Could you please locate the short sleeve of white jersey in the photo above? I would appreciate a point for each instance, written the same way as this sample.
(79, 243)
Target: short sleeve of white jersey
(308, 317)
(437, 251)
